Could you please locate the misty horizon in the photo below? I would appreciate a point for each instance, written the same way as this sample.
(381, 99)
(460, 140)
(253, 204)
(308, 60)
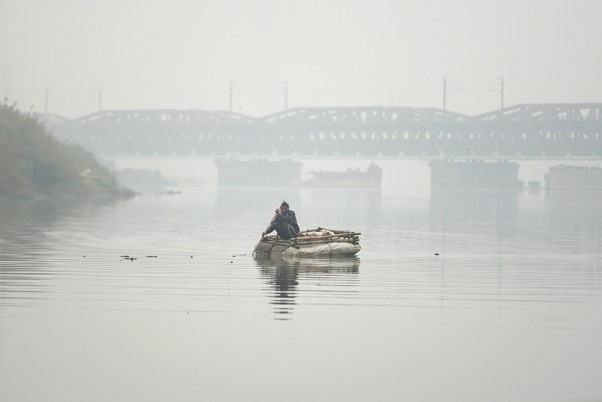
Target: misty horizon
(73, 58)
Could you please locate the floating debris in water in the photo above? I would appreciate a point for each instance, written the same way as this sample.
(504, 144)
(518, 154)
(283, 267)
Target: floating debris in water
(151, 256)
(436, 253)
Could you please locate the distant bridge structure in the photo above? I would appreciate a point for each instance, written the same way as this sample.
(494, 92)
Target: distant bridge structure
(526, 131)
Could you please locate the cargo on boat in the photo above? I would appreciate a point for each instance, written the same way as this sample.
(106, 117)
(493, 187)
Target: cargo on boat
(318, 242)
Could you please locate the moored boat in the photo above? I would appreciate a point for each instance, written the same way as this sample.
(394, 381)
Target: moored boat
(312, 243)
(369, 178)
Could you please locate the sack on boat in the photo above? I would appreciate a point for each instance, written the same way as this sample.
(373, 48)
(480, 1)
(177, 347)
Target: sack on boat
(315, 242)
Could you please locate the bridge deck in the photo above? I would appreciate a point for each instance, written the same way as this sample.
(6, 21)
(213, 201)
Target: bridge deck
(532, 131)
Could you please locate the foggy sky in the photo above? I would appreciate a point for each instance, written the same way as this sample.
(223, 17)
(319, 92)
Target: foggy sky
(182, 54)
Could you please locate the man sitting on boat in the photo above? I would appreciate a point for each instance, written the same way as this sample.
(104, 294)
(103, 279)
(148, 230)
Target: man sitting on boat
(284, 223)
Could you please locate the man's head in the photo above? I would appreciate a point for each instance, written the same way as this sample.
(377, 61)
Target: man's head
(283, 207)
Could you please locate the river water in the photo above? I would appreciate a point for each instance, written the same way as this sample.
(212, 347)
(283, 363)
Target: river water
(158, 298)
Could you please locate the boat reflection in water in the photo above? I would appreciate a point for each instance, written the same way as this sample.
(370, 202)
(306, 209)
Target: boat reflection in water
(319, 278)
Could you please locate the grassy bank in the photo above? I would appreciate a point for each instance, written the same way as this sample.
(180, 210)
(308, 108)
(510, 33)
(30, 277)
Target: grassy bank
(35, 164)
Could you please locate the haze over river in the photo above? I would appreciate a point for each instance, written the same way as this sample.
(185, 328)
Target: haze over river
(510, 309)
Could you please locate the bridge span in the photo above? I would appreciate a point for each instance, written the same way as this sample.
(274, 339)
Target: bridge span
(526, 131)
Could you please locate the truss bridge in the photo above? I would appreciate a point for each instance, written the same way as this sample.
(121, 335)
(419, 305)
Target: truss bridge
(526, 131)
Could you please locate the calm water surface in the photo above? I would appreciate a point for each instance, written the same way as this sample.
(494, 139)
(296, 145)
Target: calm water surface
(510, 309)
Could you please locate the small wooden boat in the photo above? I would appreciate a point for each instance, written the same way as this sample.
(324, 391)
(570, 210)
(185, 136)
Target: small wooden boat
(312, 243)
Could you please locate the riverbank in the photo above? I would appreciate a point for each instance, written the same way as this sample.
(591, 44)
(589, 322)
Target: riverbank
(34, 164)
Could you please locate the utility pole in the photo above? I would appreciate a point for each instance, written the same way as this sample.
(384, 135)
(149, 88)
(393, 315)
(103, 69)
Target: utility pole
(445, 78)
(46, 102)
(231, 95)
(501, 80)
(281, 89)
(499, 87)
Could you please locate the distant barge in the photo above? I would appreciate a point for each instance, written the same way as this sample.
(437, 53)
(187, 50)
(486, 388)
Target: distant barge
(574, 178)
(369, 178)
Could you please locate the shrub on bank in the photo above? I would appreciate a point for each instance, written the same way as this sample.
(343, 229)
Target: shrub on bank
(33, 163)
